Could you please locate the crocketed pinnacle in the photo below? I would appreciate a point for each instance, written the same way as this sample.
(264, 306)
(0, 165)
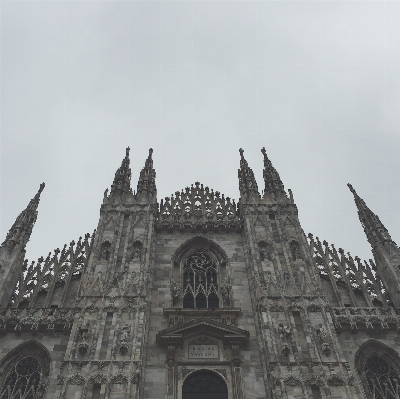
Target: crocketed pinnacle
(23, 225)
(122, 179)
(147, 178)
(273, 183)
(374, 229)
(247, 183)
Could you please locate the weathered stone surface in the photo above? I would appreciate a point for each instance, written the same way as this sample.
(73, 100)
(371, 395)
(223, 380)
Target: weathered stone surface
(200, 286)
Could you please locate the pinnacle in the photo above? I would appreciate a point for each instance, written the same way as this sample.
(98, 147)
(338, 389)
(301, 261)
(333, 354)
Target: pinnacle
(351, 189)
(121, 183)
(273, 183)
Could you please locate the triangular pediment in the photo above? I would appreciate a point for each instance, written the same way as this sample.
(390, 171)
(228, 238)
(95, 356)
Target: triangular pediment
(205, 327)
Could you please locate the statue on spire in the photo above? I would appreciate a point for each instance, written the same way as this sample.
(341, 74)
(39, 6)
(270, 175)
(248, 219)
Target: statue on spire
(122, 180)
(147, 180)
(374, 229)
(21, 230)
(274, 187)
(247, 182)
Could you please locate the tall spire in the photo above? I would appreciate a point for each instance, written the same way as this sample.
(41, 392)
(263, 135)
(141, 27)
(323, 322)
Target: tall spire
(247, 183)
(122, 179)
(374, 229)
(147, 178)
(273, 183)
(21, 230)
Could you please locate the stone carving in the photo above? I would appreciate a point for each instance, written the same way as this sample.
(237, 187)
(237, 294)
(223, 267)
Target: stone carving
(124, 338)
(121, 340)
(323, 339)
(175, 292)
(295, 250)
(285, 334)
(82, 339)
(198, 205)
(226, 292)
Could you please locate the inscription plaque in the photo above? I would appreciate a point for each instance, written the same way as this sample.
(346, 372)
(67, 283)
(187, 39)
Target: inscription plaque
(203, 352)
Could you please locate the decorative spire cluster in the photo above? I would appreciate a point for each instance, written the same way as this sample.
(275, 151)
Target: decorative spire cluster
(273, 183)
(122, 179)
(198, 206)
(21, 230)
(374, 229)
(147, 178)
(247, 183)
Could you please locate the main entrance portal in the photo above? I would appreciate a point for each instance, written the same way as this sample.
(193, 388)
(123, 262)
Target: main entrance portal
(204, 385)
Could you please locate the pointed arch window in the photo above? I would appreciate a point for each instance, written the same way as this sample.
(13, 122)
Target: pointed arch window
(379, 368)
(26, 372)
(23, 380)
(200, 283)
(383, 379)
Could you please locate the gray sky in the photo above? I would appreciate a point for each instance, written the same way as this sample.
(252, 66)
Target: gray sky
(317, 83)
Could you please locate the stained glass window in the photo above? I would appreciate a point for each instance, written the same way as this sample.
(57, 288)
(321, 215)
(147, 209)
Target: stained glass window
(383, 379)
(23, 380)
(200, 286)
(204, 385)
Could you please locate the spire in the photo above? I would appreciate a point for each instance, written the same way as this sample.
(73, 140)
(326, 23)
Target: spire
(21, 230)
(147, 183)
(247, 182)
(273, 183)
(122, 179)
(374, 229)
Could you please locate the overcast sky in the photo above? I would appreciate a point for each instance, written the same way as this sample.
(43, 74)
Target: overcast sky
(317, 83)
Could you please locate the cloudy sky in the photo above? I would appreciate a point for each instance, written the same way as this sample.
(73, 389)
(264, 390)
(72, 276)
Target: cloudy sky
(315, 82)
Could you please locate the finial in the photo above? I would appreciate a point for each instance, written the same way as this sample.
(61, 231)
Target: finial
(127, 151)
(41, 188)
(241, 151)
(263, 150)
(351, 188)
(150, 152)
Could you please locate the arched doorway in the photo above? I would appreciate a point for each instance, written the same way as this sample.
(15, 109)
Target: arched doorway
(204, 384)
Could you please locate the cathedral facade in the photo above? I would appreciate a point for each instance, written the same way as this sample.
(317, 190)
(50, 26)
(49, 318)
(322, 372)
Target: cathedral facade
(199, 297)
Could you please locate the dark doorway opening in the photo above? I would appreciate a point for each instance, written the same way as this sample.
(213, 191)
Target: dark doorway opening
(204, 385)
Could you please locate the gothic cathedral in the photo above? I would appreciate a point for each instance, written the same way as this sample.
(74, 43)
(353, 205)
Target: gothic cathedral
(199, 297)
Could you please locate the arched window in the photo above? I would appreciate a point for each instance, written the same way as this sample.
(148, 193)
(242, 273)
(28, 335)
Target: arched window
(200, 284)
(379, 369)
(26, 372)
(204, 385)
(383, 379)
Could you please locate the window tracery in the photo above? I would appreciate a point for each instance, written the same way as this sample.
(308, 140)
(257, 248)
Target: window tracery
(379, 368)
(23, 380)
(383, 379)
(26, 369)
(200, 284)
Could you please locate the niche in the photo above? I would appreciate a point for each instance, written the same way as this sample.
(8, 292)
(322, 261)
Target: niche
(136, 251)
(105, 251)
(265, 251)
(295, 250)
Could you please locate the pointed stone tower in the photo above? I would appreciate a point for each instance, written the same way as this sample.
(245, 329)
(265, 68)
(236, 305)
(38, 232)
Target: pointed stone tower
(295, 335)
(111, 330)
(385, 250)
(12, 250)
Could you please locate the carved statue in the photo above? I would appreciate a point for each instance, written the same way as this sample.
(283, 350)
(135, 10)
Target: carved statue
(324, 340)
(136, 253)
(295, 249)
(285, 334)
(175, 291)
(226, 292)
(124, 336)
